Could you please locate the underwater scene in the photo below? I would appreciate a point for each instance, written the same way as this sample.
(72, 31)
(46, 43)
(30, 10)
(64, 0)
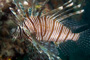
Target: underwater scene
(44, 29)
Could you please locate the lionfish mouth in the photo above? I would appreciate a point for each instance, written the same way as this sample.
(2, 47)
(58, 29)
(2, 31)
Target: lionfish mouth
(39, 26)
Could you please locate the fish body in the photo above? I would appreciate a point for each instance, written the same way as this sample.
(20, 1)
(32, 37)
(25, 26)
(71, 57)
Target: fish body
(49, 30)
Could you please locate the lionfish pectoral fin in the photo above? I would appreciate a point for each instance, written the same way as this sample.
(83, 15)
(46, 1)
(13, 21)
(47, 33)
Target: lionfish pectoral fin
(17, 6)
(15, 34)
(12, 10)
(20, 14)
(36, 46)
(43, 49)
(20, 8)
(18, 33)
(49, 54)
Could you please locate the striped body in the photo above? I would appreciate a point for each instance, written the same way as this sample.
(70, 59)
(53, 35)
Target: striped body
(46, 26)
(49, 30)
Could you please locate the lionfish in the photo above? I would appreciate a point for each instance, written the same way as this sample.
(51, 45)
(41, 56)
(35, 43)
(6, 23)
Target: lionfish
(42, 29)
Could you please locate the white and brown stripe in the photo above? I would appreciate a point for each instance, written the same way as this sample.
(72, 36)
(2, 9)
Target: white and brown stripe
(49, 30)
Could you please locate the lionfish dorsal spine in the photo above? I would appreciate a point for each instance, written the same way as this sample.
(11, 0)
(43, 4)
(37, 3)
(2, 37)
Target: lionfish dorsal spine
(22, 9)
(70, 14)
(59, 8)
(42, 7)
(62, 16)
(29, 11)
